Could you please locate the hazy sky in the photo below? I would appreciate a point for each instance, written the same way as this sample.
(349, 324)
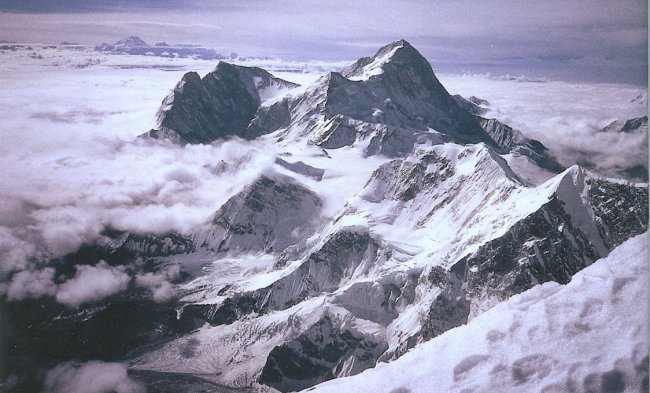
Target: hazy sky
(589, 40)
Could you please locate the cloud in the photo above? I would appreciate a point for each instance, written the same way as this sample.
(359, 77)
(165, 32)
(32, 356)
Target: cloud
(90, 377)
(67, 181)
(31, 284)
(566, 117)
(14, 251)
(140, 187)
(159, 285)
(92, 283)
(453, 33)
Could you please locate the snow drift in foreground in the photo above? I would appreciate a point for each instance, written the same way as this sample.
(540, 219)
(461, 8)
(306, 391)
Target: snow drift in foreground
(586, 336)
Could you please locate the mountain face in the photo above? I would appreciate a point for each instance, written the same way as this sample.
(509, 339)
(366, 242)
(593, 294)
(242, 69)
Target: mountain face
(219, 105)
(131, 41)
(538, 340)
(638, 124)
(391, 99)
(390, 216)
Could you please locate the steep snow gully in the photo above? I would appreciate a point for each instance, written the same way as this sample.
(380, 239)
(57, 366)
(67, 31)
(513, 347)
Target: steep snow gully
(390, 242)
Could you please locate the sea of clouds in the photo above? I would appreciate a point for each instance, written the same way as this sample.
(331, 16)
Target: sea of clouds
(73, 165)
(568, 118)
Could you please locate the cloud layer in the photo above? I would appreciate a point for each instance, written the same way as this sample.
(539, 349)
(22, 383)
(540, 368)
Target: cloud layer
(567, 118)
(92, 283)
(90, 377)
(579, 40)
(66, 181)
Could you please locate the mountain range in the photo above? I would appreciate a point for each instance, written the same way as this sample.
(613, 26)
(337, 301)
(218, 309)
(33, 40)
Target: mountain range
(133, 45)
(392, 214)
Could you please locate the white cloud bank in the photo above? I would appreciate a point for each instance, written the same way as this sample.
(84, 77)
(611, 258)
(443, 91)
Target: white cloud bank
(566, 117)
(91, 377)
(64, 182)
(31, 284)
(158, 283)
(92, 283)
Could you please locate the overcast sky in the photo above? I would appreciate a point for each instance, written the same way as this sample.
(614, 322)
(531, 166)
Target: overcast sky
(587, 40)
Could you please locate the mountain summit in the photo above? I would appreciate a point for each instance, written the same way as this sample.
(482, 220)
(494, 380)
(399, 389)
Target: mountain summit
(390, 100)
(131, 42)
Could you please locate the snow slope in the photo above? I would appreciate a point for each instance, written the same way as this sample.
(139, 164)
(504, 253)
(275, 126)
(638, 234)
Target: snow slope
(588, 335)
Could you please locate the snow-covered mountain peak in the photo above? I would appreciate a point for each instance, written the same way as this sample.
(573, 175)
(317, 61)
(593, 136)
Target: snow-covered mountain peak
(368, 67)
(398, 53)
(131, 42)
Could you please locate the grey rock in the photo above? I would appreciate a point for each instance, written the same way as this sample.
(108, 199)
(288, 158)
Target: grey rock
(317, 355)
(471, 106)
(221, 104)
(270, 215)
(511, 140)
(301, 168)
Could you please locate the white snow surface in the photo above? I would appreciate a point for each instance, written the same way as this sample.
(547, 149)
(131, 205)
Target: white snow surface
(551, 338)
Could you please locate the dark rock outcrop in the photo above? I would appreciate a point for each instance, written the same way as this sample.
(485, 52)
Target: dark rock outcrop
(221, 104)
(472, 104)
(513, 141)
(548, 245)
(321, 353)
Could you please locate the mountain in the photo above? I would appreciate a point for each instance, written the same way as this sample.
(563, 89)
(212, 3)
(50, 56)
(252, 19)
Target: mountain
(505, 355)
(391, 216)
(133, 45)
(131, 41)
(391, 100)
(639, 124)
(221, 104)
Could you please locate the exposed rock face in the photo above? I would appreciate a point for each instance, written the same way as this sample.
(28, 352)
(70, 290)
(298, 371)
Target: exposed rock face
(472, 104)
(619, 210)
(301, 168)
(321, 353)
(219, 105)
(271, 214)
(514, 141)
(152, 245)
(629, 125)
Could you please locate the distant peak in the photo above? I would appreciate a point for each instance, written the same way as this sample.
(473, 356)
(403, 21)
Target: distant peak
(399, 51)
(131, 41)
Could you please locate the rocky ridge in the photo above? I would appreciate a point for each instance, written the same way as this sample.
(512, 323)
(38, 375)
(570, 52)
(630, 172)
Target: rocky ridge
(381, 276)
